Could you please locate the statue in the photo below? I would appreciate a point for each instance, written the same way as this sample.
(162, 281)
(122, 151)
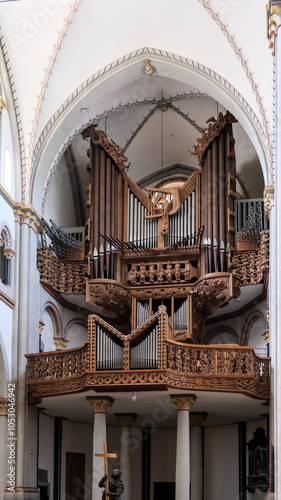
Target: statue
(115, 486)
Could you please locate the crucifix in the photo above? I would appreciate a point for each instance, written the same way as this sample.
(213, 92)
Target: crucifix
(105, 456)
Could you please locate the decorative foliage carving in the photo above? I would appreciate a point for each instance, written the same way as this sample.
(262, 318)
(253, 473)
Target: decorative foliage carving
(109, 296)
(62, 276)
(209, 294)
(248, 268)
(184, 402)
(182, 366)
(112, 149)
(209, 133)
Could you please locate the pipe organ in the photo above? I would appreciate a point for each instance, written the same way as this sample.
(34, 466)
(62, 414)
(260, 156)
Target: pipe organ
(145, 353)
(141, 231)
(159, 245)
(109, 350)
(182, 224)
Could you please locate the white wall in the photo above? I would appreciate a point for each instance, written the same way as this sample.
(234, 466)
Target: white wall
(221, 474)
(46, 447)
(77, 438)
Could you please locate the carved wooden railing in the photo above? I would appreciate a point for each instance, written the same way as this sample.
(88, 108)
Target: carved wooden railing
(224, 368)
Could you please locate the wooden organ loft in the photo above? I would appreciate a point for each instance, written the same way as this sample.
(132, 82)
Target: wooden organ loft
(167, 247)
(154, 265)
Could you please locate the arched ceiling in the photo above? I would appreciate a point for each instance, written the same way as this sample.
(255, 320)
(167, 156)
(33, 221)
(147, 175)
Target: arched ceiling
(75, 63)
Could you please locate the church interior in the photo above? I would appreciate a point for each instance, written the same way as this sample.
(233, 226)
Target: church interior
(139, 249)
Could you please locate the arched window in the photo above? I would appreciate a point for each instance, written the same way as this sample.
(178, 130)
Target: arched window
(6, 254)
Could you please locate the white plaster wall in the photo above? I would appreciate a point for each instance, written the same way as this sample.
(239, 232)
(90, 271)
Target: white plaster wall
(221, 474)
(76, 335)
(77, 438)
(46, 447)
(163, 456)
(60, 207)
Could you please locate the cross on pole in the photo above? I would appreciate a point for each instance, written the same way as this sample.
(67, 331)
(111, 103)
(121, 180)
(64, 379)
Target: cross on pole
(105, 456)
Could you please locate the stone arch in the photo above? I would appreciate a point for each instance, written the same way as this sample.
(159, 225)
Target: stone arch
(226, 331)
(78, 337)
(68, 122)
(248, 326)
(51, 313)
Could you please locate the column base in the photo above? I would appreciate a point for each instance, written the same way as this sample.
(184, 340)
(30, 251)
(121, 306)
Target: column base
(22, 493)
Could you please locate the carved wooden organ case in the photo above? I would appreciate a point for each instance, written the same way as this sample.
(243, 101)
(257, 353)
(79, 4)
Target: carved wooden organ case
(166, 246)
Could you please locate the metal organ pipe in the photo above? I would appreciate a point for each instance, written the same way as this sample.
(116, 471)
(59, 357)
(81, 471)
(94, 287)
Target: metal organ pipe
(109, 353)
(142, 232)
(145, 353)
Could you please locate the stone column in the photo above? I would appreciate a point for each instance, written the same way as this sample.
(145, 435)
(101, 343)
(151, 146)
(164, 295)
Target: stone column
(196, 458)
(4, 442)
(273, 206)
(183, 403)
(126, 421)
(100, 405)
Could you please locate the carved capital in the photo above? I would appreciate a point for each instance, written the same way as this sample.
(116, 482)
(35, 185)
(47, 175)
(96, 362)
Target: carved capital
(9, 253)
(274, 21)
(126, 419)
(3, 407)
(28, 217)
(59, 342)
(197, 418)
(266, 336)
(184, 401)
(268, 196)
(100, 404)
(41, 327)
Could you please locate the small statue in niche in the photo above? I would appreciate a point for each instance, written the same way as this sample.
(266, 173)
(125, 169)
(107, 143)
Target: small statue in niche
(169, 275)
(160, 271)
(151, 273)
(115, 485)
(142, 272)
(177, 271)
(133, 275)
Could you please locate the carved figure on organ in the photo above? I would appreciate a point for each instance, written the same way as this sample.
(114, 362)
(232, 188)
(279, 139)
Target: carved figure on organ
(151, 273)
(142, 272)
(187, 271)
(177, 271)
(169, 271)
(133, 274)
(160, 271)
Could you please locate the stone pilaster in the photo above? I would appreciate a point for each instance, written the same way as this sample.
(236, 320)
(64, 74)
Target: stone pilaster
(183, 403)
(126, 420)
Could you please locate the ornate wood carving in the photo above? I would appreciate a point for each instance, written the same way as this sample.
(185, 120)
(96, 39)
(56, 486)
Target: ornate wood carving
(211, 292)
(101, 138)
(209, 133)
(182, 366)
(62, 276)
(248, 268)
(109, 296)
(161, 272)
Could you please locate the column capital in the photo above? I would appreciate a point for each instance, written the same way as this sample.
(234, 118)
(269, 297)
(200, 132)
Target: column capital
(274, 21)
(60, 343)
(197, 418)
(183, 401)
(126, 419)
(100, 403)
(3, 407)
(268, 198)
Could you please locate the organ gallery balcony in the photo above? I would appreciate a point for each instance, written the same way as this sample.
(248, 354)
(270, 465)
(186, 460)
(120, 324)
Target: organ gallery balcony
(145, 360)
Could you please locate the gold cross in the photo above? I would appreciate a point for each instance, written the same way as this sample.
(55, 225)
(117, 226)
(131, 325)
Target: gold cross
(106, 455)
